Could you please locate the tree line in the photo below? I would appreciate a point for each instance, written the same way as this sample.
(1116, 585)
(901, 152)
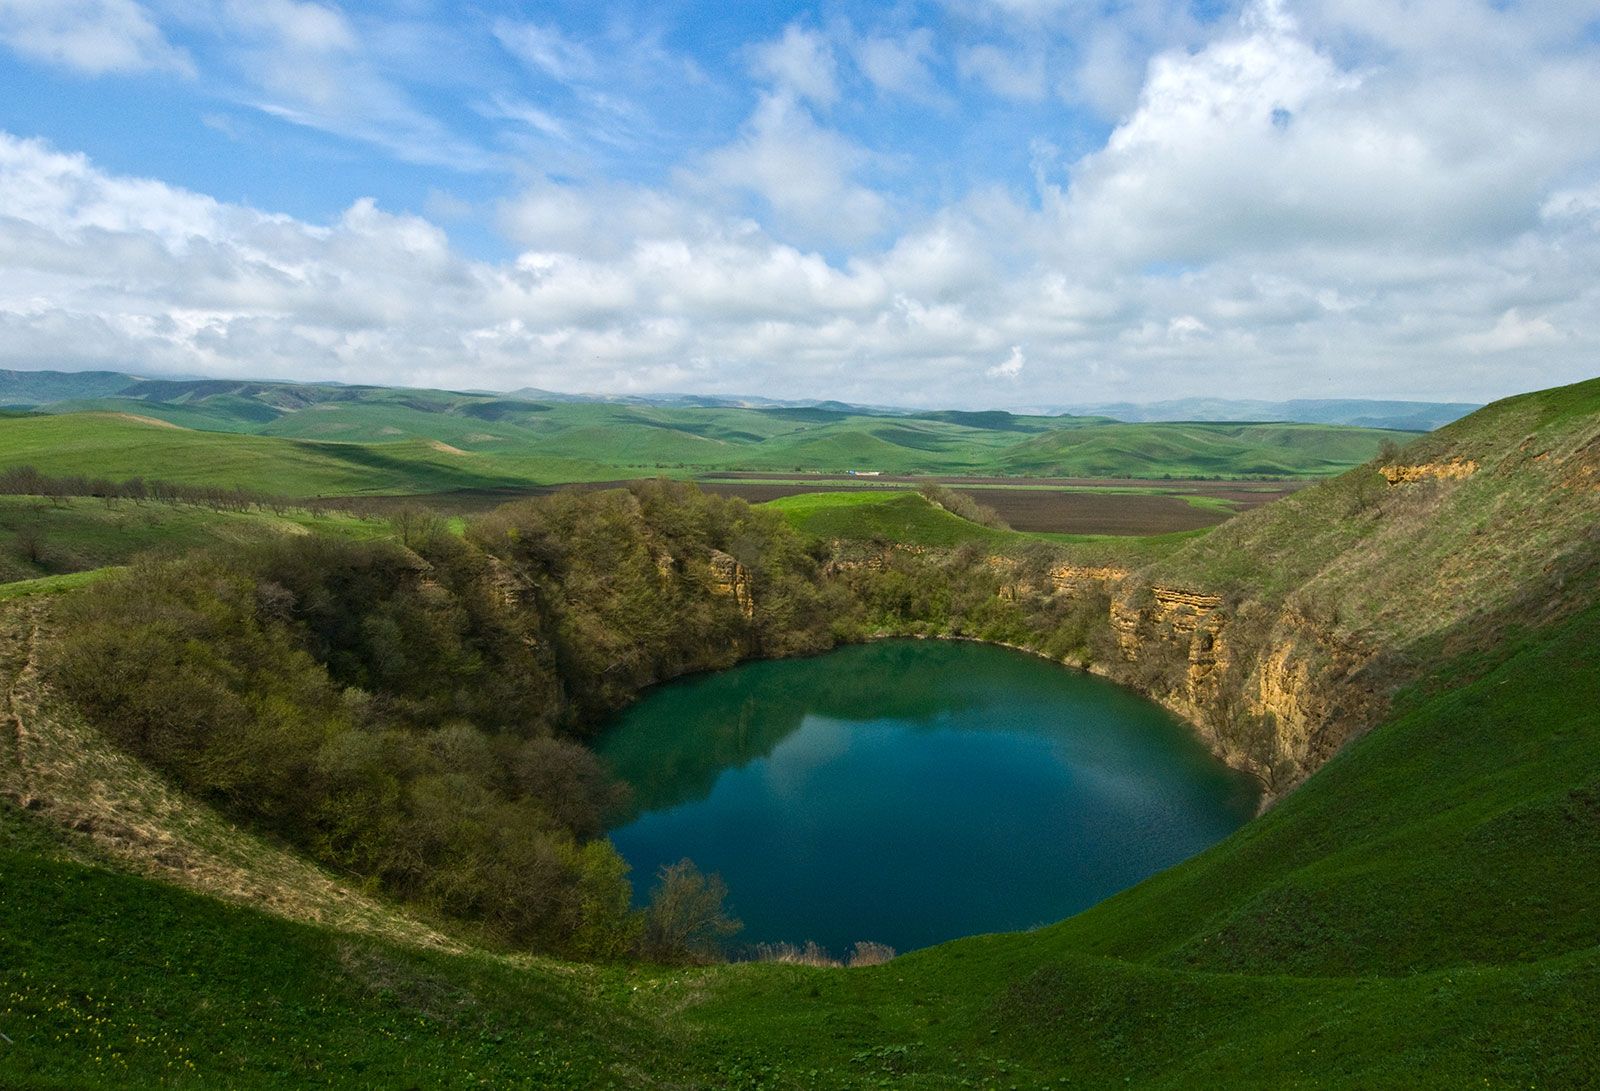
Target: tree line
(29, 481)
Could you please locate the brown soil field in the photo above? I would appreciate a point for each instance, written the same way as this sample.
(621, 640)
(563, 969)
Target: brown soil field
(1095, 512)
(1075, 506)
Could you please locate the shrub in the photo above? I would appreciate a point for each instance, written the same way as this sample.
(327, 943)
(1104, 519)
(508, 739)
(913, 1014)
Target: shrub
(686, 921)
(867, 953)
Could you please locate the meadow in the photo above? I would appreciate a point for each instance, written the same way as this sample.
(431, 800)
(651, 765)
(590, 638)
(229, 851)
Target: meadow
(311, 439)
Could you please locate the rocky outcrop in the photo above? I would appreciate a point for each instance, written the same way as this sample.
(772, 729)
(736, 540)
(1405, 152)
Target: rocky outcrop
(1075, 579)
(1269, 691)
(731, 579)
(1455, 469)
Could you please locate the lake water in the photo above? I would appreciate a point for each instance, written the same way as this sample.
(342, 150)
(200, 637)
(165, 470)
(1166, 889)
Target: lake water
(910, 792)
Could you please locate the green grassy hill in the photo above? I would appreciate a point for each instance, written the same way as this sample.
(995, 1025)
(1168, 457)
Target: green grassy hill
(116, 445)
(41, 538)
(518, 439)
(902, 517)
(1420, 912)
(1193, 449)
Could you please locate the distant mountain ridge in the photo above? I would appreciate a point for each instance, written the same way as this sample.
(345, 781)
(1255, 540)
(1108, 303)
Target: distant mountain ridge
(32, 389)
(1361, 412)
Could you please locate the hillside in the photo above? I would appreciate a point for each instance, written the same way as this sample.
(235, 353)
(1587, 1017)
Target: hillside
(517, 439)
(1289, 626)
(121, 445)
(902, 517)
(1412, 644)
(1440, 939)
(40, 538)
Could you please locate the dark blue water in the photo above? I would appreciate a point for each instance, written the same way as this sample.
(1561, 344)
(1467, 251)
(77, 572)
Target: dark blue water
(910, 792)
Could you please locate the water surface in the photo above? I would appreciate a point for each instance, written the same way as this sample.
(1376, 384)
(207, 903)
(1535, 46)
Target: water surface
(910, 792)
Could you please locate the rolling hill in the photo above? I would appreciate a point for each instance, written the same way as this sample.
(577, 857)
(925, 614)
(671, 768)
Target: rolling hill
(506, 440)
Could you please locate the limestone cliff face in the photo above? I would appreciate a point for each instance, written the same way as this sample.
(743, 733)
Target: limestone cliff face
(1076, 580)
(1272, 692)
(732, 580)
(1268, 688)
(1455, 469)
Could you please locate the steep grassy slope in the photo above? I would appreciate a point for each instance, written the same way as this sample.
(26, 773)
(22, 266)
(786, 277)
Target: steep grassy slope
(1284, 632)
(1419, 915)
(68, 776)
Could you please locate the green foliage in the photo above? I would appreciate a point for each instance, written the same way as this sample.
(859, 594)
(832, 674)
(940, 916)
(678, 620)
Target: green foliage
(379, 708)
(609, 930)
(626, 579)
(962, 505)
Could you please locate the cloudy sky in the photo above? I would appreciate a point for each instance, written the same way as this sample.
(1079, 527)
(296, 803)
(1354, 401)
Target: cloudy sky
(949, 202)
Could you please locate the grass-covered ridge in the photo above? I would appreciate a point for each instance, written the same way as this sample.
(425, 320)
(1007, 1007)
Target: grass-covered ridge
(901, 517)
(322, 439)
(56, 537)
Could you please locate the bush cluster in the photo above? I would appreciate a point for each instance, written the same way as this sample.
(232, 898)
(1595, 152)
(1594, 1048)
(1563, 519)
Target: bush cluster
(414, 715)
(28, 481)
(959, 503)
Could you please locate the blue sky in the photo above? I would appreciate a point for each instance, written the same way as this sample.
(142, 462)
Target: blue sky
(955, 202)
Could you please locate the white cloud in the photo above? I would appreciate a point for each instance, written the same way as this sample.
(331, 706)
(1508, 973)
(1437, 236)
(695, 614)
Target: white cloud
(546, 49)
(310, 65)
(1016, 73)
(91, 36)
(301, 26)
(510, 108)
(898, 65)
(1261, 143)
(1010, 368)
(1512, 331)
(800, 63)
(803, 171)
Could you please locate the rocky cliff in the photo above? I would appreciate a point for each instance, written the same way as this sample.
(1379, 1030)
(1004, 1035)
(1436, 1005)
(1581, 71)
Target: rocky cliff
(1290, 629)
(730, 579)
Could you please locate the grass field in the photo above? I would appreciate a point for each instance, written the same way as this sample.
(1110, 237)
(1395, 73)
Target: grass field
(119, 446)
(310, 439)
(902, 517)
(40, 538)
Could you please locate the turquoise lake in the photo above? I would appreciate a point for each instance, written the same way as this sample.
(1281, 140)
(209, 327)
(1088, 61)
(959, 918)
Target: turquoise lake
(910, 792)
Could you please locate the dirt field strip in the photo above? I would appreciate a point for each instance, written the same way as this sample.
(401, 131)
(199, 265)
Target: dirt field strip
(1114, 506)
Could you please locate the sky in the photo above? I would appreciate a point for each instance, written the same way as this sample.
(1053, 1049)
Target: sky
(960, 203)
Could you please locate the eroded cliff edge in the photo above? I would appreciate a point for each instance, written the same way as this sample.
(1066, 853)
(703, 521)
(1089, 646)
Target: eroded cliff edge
(1291, 629)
